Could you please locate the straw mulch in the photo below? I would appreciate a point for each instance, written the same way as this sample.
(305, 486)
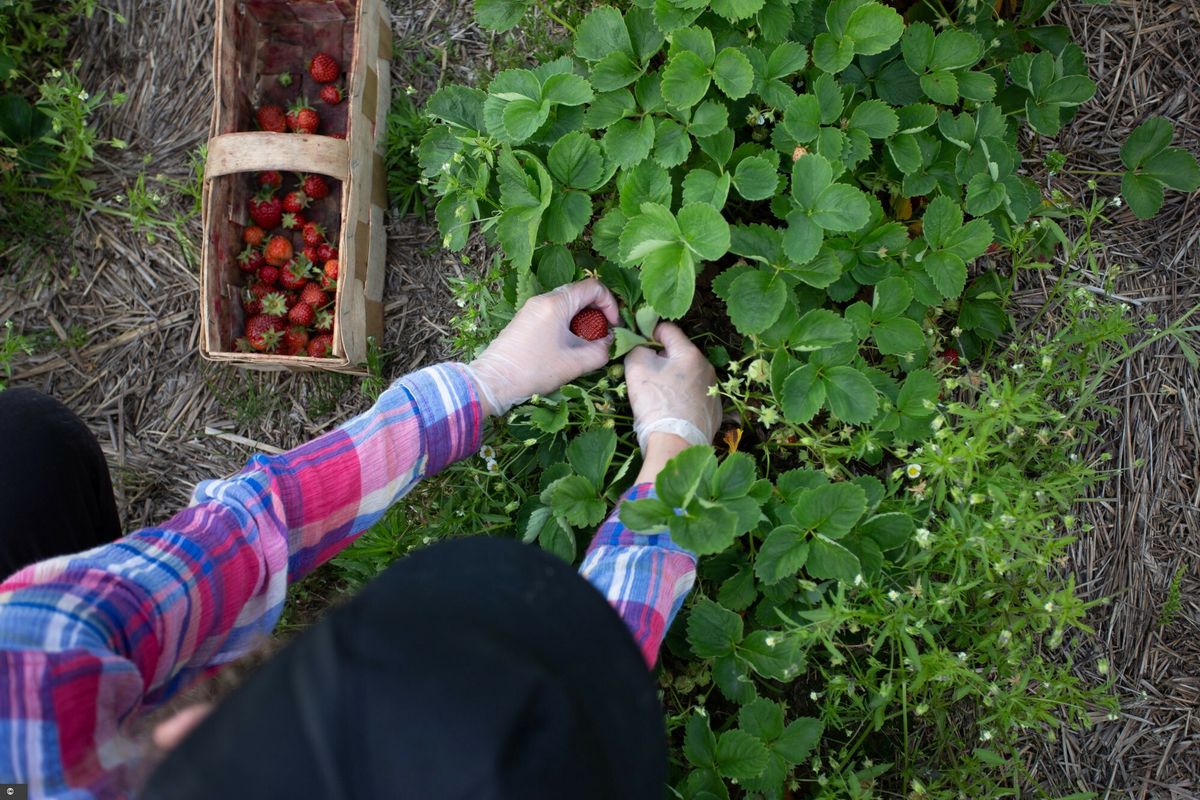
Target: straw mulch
(166, 420)
(1144, 56)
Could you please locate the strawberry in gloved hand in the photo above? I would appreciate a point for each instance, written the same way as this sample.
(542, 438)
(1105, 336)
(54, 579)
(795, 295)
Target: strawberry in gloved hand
(537, 352)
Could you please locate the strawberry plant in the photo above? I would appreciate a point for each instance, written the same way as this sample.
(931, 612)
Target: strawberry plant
(833, 193)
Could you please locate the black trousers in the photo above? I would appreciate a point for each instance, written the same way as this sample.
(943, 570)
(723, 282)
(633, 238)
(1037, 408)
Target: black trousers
(55, 490)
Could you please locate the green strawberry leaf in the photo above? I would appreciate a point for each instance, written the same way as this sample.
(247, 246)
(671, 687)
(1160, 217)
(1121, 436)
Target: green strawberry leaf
(602, 33)
(832, 509)
(850, 396)
(1147, 140)
(756, 178)
(740, 756)
(733, 74)
(755, 299)
(685, 80)
(875, 118)
(782, 554)
(828, 559)
(575, 161)
(802, 395)
(712, 630)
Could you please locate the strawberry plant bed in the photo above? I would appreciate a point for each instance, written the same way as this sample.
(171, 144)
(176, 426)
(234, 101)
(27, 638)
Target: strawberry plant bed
(302, 94)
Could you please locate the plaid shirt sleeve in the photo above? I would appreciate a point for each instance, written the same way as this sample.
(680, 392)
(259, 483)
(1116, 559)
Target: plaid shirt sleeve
(645, 577)
(90, 642)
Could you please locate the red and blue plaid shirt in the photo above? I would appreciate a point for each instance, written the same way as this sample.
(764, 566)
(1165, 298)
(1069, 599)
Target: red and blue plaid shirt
(92, 642)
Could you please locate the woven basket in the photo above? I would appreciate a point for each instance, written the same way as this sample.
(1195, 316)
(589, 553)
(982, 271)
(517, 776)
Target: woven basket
(255, 42)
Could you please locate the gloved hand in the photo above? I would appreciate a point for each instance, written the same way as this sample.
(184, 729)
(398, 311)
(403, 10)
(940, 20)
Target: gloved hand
(536, 352)
(669, 390)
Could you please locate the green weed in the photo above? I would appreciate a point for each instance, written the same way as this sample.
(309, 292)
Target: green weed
(1174, 602)
(407, 191)
(11, 346)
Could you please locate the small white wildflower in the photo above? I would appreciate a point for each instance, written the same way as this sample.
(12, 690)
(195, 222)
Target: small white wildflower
(859, 580)
(994, 403)
(493, 467)
(83, 95)
(771, 641)
(56, 73)
(913, 471)
(1050, 607)
(893, 595)
(814, 696)
(986, 736)
(410, 90)
(923, 538)
(1018, 367)
(1116, 202)
(487, 453)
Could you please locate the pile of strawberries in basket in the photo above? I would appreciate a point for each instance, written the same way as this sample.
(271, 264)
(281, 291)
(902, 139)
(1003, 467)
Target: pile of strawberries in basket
(290, 260)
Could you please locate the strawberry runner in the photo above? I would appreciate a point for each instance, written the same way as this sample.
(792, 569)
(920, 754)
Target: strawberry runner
(92, 642)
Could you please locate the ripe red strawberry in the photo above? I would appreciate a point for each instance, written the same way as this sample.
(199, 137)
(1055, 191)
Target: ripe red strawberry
(295, 202)
(327, 252)
(315, 186)
(274, 304)
(292, 222)
(324, 321)
(301, 314)
(303, 118)
(321, 346)
(295, 341)
(331, 95)
(312, 294)
(312, 253)
(266, 209)
(950, 355)
(250, 259)
(271, 118)
(328, 284)
(590, 324)
(264, 332)
(314, 234)
(253, 235)
(268, 275)
(278, 251)
(270, 178)
(296, 273)
(252, 298)
(290, 299)
(323, 68)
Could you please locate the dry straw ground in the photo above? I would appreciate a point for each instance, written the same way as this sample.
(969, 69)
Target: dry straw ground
(122, 311)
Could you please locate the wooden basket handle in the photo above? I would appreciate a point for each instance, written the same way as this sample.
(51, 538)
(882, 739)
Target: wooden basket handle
(287, 152)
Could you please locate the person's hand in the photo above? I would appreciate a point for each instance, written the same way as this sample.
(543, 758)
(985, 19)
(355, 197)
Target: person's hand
(669, 393)
(536, 352)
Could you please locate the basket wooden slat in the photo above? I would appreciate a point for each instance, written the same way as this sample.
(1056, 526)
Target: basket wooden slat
(256, 42)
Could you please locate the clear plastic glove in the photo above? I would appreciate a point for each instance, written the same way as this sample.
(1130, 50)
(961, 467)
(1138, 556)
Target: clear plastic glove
(669, 390)
(536, 352)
